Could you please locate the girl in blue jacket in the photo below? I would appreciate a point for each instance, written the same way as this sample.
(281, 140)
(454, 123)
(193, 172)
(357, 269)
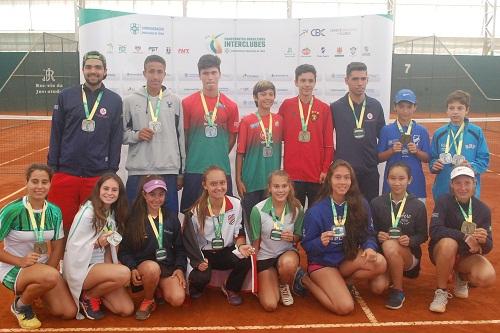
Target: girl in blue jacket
(152, 248)
(340, 242)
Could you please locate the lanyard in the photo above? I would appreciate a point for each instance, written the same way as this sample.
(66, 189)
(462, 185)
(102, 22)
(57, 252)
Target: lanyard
(401, 130)
(38, 230)
(154, 114)
(359, 122)
(281, 223)
(268, 135)
(460, 132)
(395, 219)
(210, 118)
(220, 218)
(86, 106)
(159, 235)
(468, 216)
(339, 220)
(301, 110)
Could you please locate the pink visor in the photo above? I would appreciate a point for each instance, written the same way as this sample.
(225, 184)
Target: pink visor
(153, 185)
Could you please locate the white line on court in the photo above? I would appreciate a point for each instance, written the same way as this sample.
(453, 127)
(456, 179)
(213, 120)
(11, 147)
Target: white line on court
(369, 314)
(26, 155)
(261, 328)
(12, 194)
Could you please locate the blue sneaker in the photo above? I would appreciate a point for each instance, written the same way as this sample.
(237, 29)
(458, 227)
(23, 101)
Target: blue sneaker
(91, 307)
(395, 299)
(298, 287)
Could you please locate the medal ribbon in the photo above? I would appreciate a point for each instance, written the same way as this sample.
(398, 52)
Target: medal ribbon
(278, 224)
(220, 218)
(359, 122)
(467, 217)
(401, 130)
(395, 219)
(301, 111)
(337, 220)
(211, 116)
(86, 106)
(159, 235)
(458, 148)
(154, 113)
(268, 135)
(38, 230)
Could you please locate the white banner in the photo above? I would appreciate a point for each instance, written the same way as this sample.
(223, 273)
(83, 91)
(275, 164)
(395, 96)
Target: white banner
(250, 50)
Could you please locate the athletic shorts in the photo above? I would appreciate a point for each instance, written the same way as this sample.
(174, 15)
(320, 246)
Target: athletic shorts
(264, 264)
(10, 279)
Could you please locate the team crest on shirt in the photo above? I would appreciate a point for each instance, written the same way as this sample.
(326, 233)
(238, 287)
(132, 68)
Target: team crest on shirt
(103, 111)
(220, 105)
(277, 123)
(369, 116)
(405, 219)
(470, 146)
(314, 115)
(231, 218)
(254, 125)
(416, 139)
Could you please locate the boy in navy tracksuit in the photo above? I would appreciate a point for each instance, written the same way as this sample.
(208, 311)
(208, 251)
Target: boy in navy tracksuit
(85, 139)
(457, 143)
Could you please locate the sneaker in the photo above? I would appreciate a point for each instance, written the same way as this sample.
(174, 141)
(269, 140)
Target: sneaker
(285, 295)
(194, 293)
(145, 309)
(395, 299)
(25, 316)
(413, 273)
(298, 287)
(159, 297)
(232, 297)
(440, 300)
(91, 307)
(461, 287)
(352, 289)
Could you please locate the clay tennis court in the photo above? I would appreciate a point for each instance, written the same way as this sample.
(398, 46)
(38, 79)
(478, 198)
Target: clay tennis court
(479, 313)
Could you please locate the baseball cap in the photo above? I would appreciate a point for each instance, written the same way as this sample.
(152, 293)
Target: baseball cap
(405, 95)
(94, 55)
(153, 185)
(462, 171)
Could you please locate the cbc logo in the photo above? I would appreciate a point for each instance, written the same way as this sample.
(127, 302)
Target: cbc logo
(317, 32)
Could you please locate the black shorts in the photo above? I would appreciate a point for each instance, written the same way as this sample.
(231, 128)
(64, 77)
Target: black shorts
(165, 271)
(264, 264)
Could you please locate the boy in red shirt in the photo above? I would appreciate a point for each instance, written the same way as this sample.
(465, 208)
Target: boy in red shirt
(308, 136)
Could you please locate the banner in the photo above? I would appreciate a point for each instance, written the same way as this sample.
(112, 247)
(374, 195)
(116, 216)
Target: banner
(250, 50)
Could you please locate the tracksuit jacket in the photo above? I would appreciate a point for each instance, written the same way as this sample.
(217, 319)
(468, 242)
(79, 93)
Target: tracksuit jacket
(80, 153)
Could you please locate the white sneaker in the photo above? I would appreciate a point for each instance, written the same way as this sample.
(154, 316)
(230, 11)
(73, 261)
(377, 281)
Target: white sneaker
(285, 295)
(440, 300)
(461, 287)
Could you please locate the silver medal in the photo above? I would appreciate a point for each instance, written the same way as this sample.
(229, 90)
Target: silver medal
(458, 160)
(210, 131)
(445, 158)
(88, 125)
(267, 151)
(155, 126)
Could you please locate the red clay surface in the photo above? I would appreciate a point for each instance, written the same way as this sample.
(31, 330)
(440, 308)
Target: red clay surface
(212, 310)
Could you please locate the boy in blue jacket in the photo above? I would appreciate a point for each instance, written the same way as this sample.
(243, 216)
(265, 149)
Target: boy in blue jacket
(457, 143)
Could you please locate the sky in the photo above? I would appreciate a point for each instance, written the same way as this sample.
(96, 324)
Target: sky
(444, 18)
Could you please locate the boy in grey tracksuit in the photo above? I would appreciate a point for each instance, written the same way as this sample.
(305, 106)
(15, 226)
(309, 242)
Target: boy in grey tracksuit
(154, 132)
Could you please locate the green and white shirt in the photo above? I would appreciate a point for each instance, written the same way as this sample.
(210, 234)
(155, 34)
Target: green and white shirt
(261, 224)
(18, 235)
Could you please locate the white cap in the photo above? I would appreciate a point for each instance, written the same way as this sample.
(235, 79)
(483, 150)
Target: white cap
(462, 171)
